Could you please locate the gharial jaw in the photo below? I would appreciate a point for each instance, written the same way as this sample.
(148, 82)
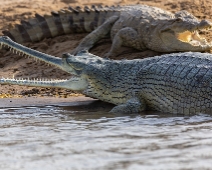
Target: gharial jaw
(76, 83)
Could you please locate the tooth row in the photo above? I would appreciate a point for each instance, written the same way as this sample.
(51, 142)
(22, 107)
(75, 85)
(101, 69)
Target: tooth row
(21, 80)
(20, 53)
(32, 81)
(202, 29)
(206, 28)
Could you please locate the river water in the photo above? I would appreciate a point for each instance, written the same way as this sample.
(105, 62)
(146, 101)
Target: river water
(85, 136)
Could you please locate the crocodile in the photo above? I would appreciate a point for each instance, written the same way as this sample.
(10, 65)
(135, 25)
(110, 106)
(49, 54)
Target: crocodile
(138, 26)
(178, 83)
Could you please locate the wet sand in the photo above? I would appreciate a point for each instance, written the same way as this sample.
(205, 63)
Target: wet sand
(42, 101)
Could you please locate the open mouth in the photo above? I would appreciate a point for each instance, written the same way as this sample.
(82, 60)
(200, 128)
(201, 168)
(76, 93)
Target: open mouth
(75, 83)
(36, 55)
(193, 37)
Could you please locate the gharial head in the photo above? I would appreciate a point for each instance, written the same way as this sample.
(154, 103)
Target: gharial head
(180, 33)
(81, 64)
(81, 67)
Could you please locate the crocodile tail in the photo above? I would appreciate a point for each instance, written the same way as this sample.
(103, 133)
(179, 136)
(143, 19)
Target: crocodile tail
(65, 21)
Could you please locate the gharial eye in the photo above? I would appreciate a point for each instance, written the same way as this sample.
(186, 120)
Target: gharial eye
(179, 20)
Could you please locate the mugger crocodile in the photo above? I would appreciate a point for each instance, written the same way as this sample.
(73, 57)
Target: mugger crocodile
(178, 83)
(138, 26)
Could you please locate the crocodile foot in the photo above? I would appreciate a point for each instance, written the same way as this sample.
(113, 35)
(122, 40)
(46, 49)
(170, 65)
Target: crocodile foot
(133, 105)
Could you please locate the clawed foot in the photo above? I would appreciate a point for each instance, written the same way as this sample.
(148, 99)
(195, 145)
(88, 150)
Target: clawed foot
(121, 109)
(109, 55)
(114, 52)
(106, 55)
(133, 105)
(77, 50)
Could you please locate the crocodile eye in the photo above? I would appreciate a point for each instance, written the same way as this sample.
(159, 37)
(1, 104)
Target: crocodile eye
(179, 20)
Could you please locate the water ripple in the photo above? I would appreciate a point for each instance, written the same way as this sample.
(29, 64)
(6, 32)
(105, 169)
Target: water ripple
(79, 137)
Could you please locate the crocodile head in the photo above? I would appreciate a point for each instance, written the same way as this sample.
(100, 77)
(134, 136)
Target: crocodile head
(75, 65)
(182, 34)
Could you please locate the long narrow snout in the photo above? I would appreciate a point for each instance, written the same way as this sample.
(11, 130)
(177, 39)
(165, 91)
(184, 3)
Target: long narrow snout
(25, 51)
(75, 83)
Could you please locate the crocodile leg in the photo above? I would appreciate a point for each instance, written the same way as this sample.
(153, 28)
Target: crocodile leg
(133, 105)
(99, 33)
(126, 36)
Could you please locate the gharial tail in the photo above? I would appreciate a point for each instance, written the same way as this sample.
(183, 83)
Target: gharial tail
(65, 21)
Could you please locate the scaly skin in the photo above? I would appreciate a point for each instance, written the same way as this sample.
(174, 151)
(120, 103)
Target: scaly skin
(137, 26)
(178, 83)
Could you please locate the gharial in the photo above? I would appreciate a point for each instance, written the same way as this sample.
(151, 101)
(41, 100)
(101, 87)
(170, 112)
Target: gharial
(175, 83)
(137, 26)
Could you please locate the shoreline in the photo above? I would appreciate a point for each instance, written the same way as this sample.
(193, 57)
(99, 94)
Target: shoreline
(42, 101)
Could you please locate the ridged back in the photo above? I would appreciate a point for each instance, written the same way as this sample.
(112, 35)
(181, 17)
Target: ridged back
(65, 21)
